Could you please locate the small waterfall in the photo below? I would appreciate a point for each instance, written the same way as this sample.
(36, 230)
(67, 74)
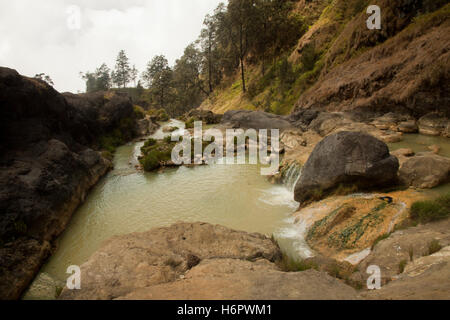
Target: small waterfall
(292, 175)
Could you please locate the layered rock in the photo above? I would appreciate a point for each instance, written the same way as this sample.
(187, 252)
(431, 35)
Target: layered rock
(197, 261)
(47, 167)
(346, 158)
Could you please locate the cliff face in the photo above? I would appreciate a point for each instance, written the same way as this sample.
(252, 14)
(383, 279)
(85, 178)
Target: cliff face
(47, 167)
(403, 68)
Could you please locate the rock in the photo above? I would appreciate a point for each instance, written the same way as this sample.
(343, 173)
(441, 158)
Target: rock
(162, 255)
(346, 158)
(425, 171)
(47, 166)
(231, 279)
(387, 122)
(344, 227)
(197, 261)
(255, 120)
(43, 287)
(433, 124)
(403, 154)
(424, 279)
(404, 244)
(408, 126)
(434, 148)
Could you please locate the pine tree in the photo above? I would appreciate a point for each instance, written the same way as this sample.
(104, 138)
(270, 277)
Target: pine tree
(122, 72)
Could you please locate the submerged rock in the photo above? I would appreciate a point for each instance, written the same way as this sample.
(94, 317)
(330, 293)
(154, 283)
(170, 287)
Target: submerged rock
(346, 158)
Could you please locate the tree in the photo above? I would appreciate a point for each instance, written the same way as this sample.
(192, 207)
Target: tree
(134, 74)
(122, 72)
(100, 80)
(158, 77)
(44, 77)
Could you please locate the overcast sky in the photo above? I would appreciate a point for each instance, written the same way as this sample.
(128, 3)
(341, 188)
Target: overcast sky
(47, 37)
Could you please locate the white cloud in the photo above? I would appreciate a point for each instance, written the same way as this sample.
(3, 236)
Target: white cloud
(36, 38)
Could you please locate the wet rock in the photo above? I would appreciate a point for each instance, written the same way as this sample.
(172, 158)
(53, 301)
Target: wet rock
(433, 124)
(351, 158)
(434, 148)
(425, 171)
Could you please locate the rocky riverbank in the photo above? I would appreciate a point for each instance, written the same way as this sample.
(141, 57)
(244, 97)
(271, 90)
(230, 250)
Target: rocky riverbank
(50, 158)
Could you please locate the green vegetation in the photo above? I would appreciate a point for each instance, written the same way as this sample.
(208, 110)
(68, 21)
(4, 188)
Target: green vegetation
(139, 112)
(119, 136)
(431, 210)
(288, 264)
(433, 247)
(156, 153)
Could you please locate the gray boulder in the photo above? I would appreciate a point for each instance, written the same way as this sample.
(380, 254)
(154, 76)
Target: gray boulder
(346, 158)
(255, 120)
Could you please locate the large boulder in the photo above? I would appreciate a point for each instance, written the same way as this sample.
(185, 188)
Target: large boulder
(346, 158)
(255, 120)
(434, 124)
(197, 261)
(425, 171)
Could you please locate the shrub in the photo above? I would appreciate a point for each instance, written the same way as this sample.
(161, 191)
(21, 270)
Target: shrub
(150, 162)
(139, 112)
(431, 210)
(150, 143)
(433, 247)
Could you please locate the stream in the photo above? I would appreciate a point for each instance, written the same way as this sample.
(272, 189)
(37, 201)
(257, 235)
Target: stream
(235, 196)
(128, 200)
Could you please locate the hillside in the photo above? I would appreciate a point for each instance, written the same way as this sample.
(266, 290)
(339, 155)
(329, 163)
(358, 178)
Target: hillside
(338, 64)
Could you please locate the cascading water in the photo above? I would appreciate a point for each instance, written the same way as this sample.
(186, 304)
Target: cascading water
(292, 175)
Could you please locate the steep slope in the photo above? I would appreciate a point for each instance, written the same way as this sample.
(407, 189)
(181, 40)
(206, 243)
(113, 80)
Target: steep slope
(409, 73)
(339, 64)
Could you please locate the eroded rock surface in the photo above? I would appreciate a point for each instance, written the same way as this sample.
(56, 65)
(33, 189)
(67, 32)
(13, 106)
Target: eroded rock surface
(197, 261)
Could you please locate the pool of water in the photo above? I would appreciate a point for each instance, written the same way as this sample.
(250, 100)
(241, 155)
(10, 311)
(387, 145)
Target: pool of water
(127, 201)
(420, 143)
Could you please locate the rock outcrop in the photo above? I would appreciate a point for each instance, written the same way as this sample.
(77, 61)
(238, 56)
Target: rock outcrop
(197, 261)
(47, 167)
(425, 171)
(434, 124)
(346, 158)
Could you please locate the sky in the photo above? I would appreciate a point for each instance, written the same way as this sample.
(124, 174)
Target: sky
(62, 38)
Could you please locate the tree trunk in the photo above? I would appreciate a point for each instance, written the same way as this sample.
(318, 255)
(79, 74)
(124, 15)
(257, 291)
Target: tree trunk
(241, 56)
